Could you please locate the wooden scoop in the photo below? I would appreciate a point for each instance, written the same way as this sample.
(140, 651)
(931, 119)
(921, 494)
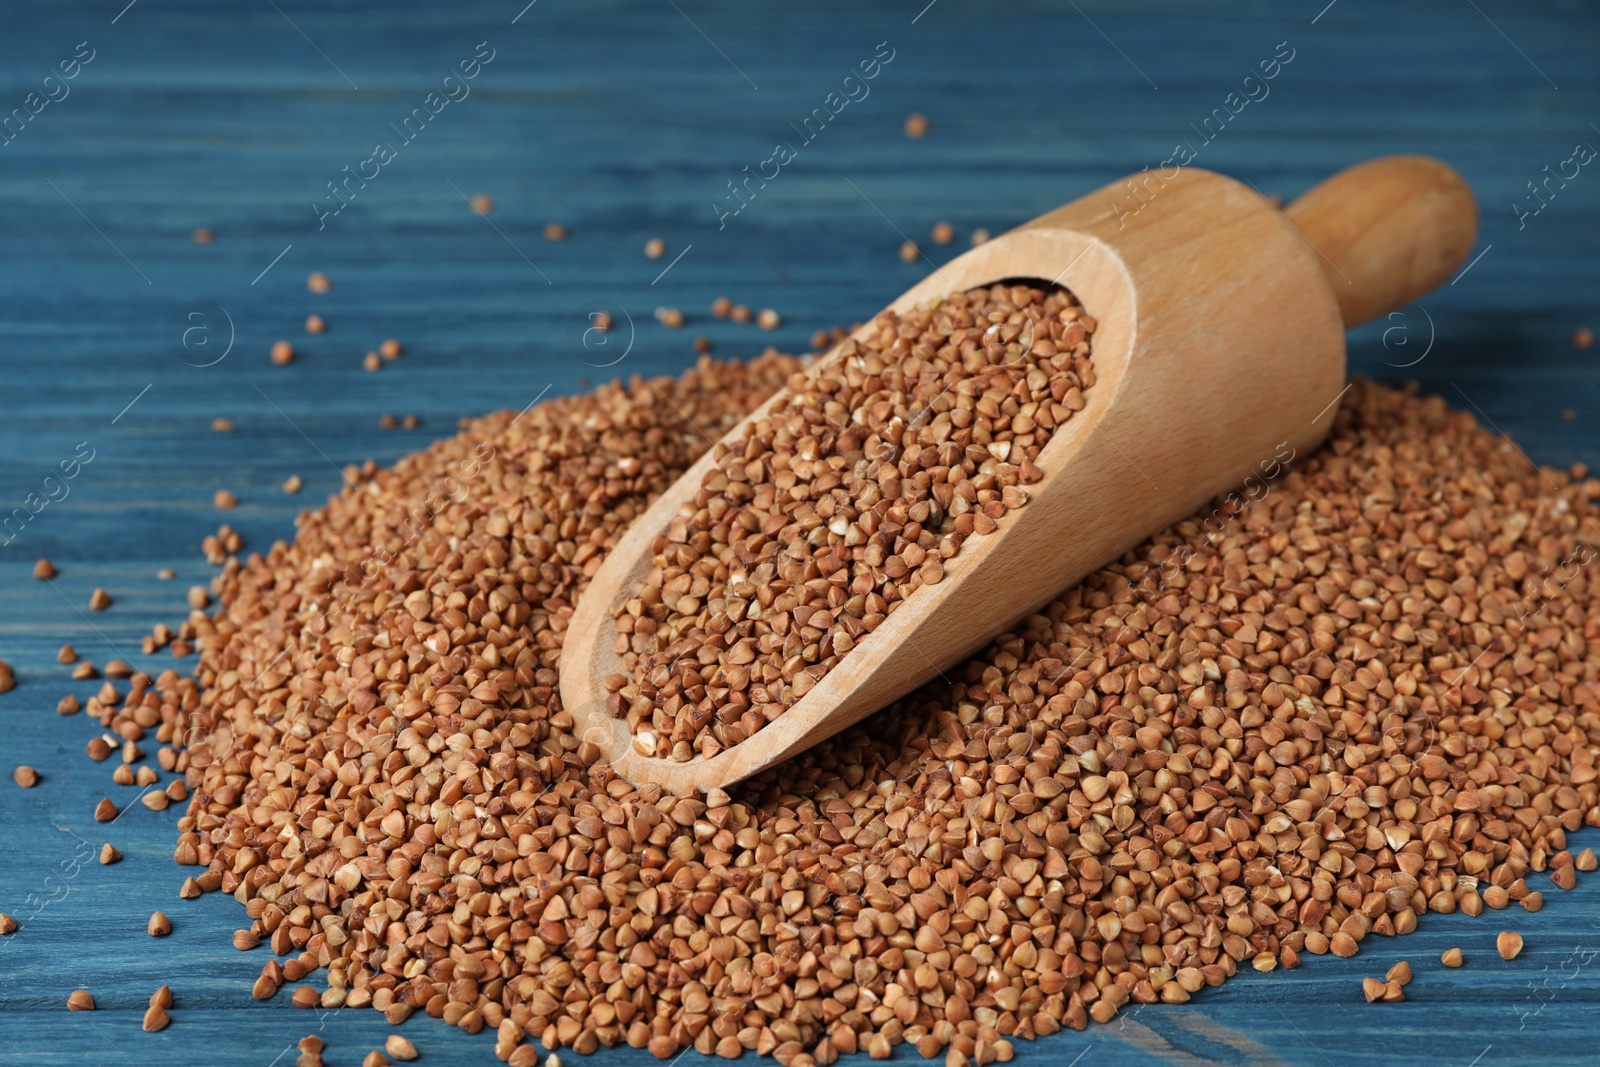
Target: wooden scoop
(1220, 347)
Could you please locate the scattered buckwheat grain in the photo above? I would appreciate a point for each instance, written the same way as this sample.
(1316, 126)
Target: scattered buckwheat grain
(318, 282)
(916, 125)
(44, 570)
(282, 353)
(25, 776)
(1508, 944)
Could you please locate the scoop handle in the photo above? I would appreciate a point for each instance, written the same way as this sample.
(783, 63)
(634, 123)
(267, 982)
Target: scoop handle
(1387, 231)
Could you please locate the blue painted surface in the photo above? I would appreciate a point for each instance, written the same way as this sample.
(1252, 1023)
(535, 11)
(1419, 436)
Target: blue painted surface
(624, 121)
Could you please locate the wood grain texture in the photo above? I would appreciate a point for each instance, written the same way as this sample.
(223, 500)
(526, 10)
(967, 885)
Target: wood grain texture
(1388, 231)
(623, 122)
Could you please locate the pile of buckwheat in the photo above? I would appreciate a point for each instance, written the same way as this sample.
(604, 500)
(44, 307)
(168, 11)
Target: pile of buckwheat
(1371, 694)
(843, 499)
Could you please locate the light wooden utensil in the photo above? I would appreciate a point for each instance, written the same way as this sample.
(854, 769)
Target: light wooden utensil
(1220, 342)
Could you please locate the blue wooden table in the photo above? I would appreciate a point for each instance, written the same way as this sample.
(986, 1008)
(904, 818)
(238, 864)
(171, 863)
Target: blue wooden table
(121, 339)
